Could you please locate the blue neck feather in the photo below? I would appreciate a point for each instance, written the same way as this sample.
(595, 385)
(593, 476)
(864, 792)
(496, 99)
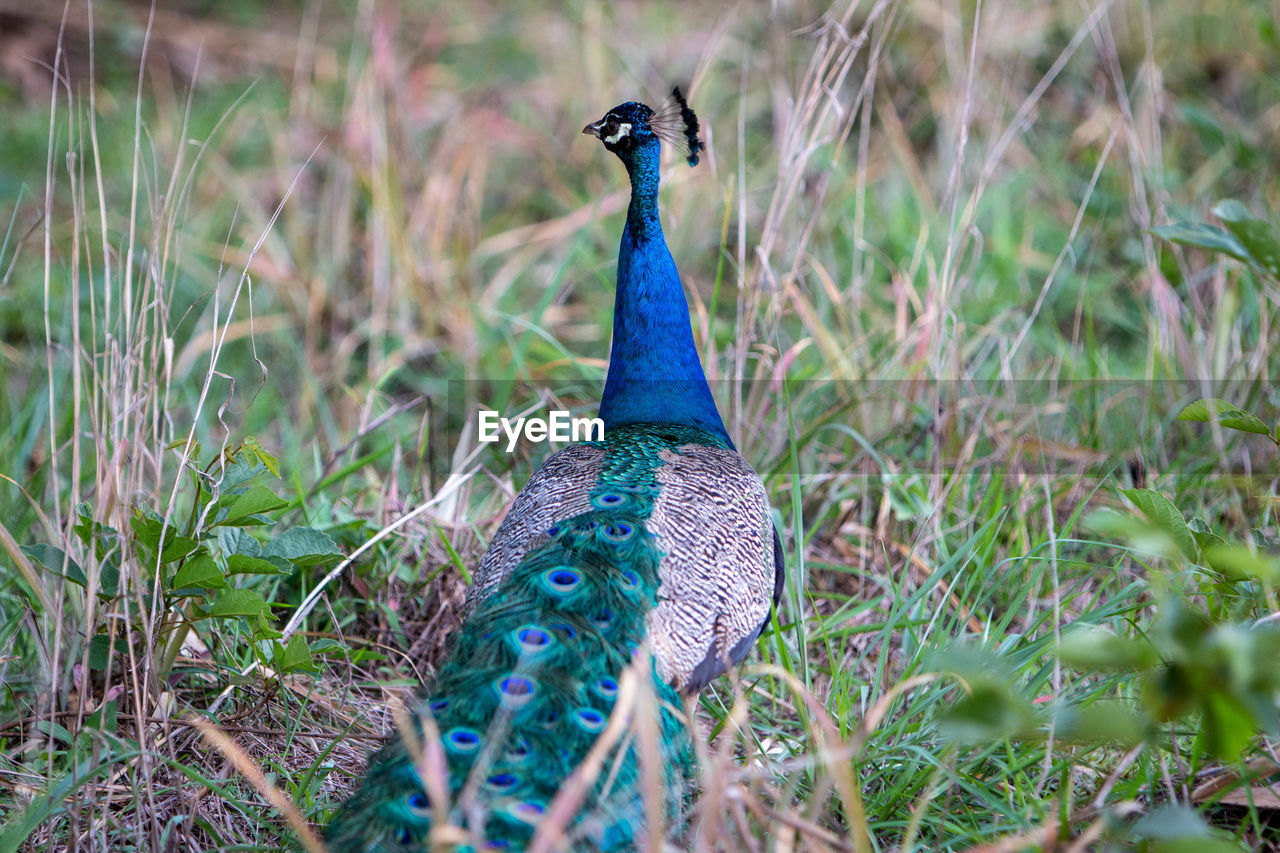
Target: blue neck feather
(655, 376)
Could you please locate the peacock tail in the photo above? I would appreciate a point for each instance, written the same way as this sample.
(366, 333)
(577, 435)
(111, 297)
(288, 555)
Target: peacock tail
(652, 550)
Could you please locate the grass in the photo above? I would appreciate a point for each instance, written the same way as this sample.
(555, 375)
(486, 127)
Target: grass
(920, 261)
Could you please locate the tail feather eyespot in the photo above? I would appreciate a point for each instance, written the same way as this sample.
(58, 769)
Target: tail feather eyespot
(603, 619)
(516, 691)
(462, 740)
(565, 630)
(609, 500)
(526, 811)
(561, 580)
(418, 803)
(589, 719)
(531, 640)
(618, 531)
(501, 781)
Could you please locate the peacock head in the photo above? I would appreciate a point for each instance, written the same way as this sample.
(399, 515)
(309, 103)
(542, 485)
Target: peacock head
(632, 129)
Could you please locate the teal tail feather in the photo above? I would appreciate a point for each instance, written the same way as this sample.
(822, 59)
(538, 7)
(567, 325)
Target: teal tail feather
(531, 683)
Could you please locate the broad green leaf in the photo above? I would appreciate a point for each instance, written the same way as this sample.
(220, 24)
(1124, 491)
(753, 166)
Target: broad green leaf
(237, 540)
(1158, 510)
(1210, 409)
(1240, 562)
(1171, 821)
(242, 469)
(272, 464)
(103, 719)
(240, 509)
(265, 628)
(1227, 726)
(302, 546)
(100, 645)
(148, 529)
(328, 646)
(238, 602)
(90, 531)
(109, 578)
(201, 572)
(243, 564)
(104, 540)
(57, 561)
(984, 713)
(1255, 235)
(1202, 236)
(1106, 721)
(1194, 845)
(1205, 537)
(294, 656)
(1093, 647)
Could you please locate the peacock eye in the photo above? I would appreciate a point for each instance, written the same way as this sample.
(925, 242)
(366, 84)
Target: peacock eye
(611, 126)
(418, 802)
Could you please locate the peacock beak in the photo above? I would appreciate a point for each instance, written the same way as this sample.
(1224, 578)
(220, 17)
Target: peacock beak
(594, 129)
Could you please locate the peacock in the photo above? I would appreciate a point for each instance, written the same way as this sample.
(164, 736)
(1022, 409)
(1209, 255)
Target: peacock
(657, 539)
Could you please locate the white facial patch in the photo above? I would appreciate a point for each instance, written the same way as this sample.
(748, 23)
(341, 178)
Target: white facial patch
(623, 130)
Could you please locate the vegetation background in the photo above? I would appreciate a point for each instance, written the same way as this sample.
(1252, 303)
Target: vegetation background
(956, 268)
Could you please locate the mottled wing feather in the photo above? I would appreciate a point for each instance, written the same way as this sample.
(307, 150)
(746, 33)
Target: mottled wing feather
(718, 571)
(560, 489)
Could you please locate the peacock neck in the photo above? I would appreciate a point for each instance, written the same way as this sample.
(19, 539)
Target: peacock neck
(655, 375)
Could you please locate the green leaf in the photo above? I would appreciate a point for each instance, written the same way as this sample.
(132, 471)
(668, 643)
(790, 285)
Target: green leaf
(202, 572)
(1205, 537)
(1099, 649)
(104, 719)
(252, 446)
(1210, 409)
(237, 540)
(109, 579)
(1242, 563)
(241, 471)
(1202, 236)
(1172, 821)
(294, 656)
(1227, 726)
(1254, 234)
(238, 602)
(1195, 845)
(328, 646)
(303, 546)
(55, 559)
(243, 564)
(240, 509)
(1105, 721)
(90, 531)
(100, 645)
(1161, 512)
(265, 629)
(151, 530)
(986, 712)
